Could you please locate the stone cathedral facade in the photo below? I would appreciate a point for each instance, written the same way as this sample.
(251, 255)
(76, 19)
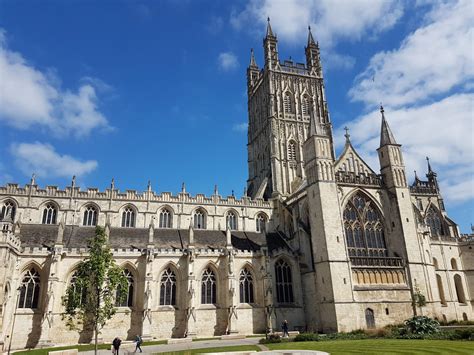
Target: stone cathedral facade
(323, 241)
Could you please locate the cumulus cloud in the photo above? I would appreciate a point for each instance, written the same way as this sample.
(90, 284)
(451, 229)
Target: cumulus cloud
(227, 61)
(240, 127)
(42, 159)
(426, 86)
(32, 98)
(432, 60)
(426, 130)
(332, 20)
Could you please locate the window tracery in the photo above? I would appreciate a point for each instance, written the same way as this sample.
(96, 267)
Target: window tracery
(49, 214)
(208, 287)
(261, 222)
(434, 222)
(8, 208)
(363, 226)
(128, 217)
(246, 286)
(165, 218)
(127, 299)
(231, 220)
(90, 216)
(199, 219)
(287, 106)
(284, 284)
(168, 288)
(30, 289)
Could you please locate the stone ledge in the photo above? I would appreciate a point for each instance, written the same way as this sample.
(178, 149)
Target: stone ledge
(232, 336)
(179, 340)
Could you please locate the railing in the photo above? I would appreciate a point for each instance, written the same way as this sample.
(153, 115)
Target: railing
(361, 179)
(374, 261)
(424, 187)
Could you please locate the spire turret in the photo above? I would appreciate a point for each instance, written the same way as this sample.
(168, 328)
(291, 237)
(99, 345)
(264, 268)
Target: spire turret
(270, 48)
(386, 135)
(269, 29)
(253, 63)
(313, 60)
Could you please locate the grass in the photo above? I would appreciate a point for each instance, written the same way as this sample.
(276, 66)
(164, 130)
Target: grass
(381, 346)
(222, 349)
(206, 339)
(85, 347)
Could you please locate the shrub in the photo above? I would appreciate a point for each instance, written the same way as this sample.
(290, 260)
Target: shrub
(421, 325)
(307, 337)
(272, 338)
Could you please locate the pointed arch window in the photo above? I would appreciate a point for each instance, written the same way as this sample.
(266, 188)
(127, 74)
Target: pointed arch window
(30, 289)
(305, 105)
(231, 220)
(363, 225)
(8, 209)
(128, 217)
(168, 288)
(292, 151)
(165, 218)
(246, 286)
(90, 216)
(284, 283)
(287, 104)
(78, 289)
(434, 221)
(261, 221)
(208, 287)
(125, 295)
(50, 213)
(199, 219)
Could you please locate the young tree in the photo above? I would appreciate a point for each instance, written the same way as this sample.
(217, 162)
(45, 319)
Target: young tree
(419, 300)
(90, 297)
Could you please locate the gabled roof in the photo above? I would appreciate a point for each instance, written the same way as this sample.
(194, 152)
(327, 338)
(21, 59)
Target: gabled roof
(350, 161)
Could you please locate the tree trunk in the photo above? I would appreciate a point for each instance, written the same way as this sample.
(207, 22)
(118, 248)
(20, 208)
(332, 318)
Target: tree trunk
(96, 337)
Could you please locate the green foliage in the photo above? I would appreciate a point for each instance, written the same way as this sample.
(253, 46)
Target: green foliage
(89, 301)
(307, 337)
(421, 325)
(273, 338)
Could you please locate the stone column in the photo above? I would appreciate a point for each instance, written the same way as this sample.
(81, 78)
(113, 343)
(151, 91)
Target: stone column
(268, 293)
(231, 282)
(148, 286)
(191, 324)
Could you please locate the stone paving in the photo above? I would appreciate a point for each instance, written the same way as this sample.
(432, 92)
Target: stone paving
(206, 344)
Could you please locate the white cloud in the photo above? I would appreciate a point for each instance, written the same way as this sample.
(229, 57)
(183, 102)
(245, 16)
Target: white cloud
(240, 127)
(332, 20)
(227, 61)
(432, 60)
(31, 98)
(43, 160)
(441, 130)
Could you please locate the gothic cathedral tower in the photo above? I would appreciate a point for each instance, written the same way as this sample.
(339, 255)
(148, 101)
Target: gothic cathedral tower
(282, 99)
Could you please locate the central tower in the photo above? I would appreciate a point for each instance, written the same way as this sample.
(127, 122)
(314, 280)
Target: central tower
(283, 98)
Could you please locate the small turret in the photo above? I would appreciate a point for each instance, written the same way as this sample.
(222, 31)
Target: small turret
(432, 176)
(386, 135)
(252, 71)
(270, 47)
(313, 60)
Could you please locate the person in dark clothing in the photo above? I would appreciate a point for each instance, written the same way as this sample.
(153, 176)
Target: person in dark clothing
(284, 326)
(116, 345)
(138, 341)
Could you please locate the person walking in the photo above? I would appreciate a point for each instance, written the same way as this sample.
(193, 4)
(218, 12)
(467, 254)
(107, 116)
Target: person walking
(284, 326)
(138, 341)
(116, 345)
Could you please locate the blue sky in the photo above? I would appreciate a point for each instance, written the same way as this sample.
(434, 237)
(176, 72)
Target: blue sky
(156, 90)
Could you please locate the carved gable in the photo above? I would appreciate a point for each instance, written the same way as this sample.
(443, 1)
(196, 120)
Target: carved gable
(351, 162)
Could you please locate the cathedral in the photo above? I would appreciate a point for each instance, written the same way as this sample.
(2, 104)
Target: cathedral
(320, 240)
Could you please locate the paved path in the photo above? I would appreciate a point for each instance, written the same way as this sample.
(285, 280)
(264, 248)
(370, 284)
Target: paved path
(204, 344)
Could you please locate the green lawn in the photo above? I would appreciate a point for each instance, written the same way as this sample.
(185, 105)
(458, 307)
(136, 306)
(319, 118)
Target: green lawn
(382, 346)
(214, 350)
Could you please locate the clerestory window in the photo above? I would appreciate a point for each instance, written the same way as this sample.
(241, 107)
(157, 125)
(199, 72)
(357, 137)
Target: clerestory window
(199, 219)
(128, 217)
(90, 216)
(49, 214)
(165, 218)
(261, 221)
(231, 220)
(8, 209)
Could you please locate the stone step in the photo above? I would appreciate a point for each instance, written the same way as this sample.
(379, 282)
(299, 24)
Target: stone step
(179, 340)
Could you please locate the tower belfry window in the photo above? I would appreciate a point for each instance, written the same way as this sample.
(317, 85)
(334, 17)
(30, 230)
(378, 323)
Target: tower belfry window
(305, 108)
(287, 103)
(291, 151)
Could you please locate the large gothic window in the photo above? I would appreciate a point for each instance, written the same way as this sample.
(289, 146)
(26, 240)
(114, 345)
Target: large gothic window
(433, 220)
(208, 287)
(291, 151)
(79, 291)
(128, 217)
(364, 228)
(168, 288)
(49, 214)
(287, 106)
(284, 284)
(30, 290)
(165, 218)
(90, 216)
(199, 219)
(305, 105)
(125, 295)
(260, 223)
(8, 208)
(246, 286)
(231, 220)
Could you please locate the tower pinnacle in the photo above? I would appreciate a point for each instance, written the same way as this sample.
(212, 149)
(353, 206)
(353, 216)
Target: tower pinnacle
(253, 63)
(311, 41)
(386, 135)
(269, 29)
